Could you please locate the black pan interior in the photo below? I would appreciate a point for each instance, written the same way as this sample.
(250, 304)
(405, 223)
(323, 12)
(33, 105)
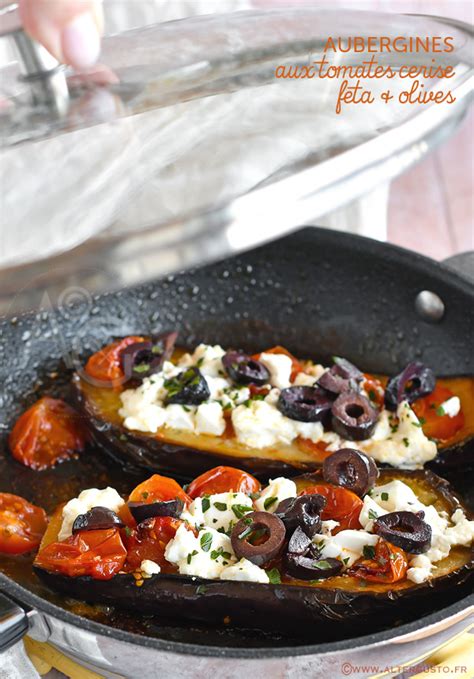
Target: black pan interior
(317, 292)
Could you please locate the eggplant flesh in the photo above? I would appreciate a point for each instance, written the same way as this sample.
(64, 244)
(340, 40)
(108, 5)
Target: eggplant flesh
(338, 601)
(186, 454)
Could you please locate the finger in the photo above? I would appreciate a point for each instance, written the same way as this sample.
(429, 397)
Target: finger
(69, 29)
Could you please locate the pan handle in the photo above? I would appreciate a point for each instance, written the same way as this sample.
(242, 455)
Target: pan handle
(13, 623)
(462, 264)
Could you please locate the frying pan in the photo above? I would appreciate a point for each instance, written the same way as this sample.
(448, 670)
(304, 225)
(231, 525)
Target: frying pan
(317, 292)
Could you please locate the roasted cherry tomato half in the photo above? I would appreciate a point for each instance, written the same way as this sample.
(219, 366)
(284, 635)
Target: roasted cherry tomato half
(148, 541)
(342, 505)
(435, 423)
(389, 564)
(222, 480)
(374, 389)
(48, 432)
(157, 489)
(21, 524)
(296, 365)
(98, 553)
(105, 366)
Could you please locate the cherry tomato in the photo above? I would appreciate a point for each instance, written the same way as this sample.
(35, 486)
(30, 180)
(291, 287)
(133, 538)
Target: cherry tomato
(435, 424)
(21, 524)
(48, 432)
(105, 366)
(296, 365)
(389, 564)
(158, 489)
(342, 505)
(98, 553)
(148, 541)
(374, 389)
(317, 450)
(223, 480)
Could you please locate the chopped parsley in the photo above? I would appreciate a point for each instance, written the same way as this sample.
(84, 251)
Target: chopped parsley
(373, 515)
(216, 553)
(254, 496)
(205, 503)
(372, 395)
(440, 411)
(346, 560)
(323, 565)
(384, 496)
(141, 368)
(274, 576)
(420, 423)
(200, 361)
(145, 495)
(241, 510)
(221, 506)
(406, 441)
(201, 589)
(269, 501)
(190, 555)
(369, 552)
(128, 531)
(206, 542)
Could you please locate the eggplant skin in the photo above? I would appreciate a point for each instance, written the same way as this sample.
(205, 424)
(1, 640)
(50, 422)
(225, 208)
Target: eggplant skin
(286, 607)
(133, 449)
(253, 605)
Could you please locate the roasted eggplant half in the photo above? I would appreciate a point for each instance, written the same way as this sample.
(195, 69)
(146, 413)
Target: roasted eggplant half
(269, 413)
(278, 563)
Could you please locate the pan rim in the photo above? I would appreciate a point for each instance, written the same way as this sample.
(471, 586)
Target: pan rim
(29, 599)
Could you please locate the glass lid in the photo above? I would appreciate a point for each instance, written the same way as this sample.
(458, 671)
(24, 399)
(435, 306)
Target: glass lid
(206, 136)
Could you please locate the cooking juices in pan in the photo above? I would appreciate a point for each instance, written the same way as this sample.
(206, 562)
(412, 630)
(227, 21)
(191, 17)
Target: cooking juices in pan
(270, 412)
(294, 552)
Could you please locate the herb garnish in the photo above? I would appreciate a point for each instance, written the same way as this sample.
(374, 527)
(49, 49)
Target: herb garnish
(369, 552)
(240, 510)
(206, 542)
(274, 576)
(269, 501)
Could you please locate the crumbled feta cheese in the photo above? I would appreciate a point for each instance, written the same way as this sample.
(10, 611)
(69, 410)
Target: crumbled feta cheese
(369, 512)
(451, 407)
(179, 417)
(347, 545)
(142, 407)
(245, 571)
(210, 419)
(92, 497)
(235, 396)
(204, 556)
(218, 511)
(277, 490)
(304, 380)
(420, 569)
(260, 425)
(400, 442)
(328, 526)
(150, 567)
(396, 496)
(280, 367)
(217, 387)
(207, 358)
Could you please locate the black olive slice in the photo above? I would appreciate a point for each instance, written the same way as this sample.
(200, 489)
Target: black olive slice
(415, 381)
(299, 543)
(303, 511)
(187, 388)
(141, 511)
(405, 530)
(351, 469)
(142, 359)
(307, 568)
(244, 369)
(258, 524)
(304, 404)
(97, 518)
(342, 376)
(353, 417)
